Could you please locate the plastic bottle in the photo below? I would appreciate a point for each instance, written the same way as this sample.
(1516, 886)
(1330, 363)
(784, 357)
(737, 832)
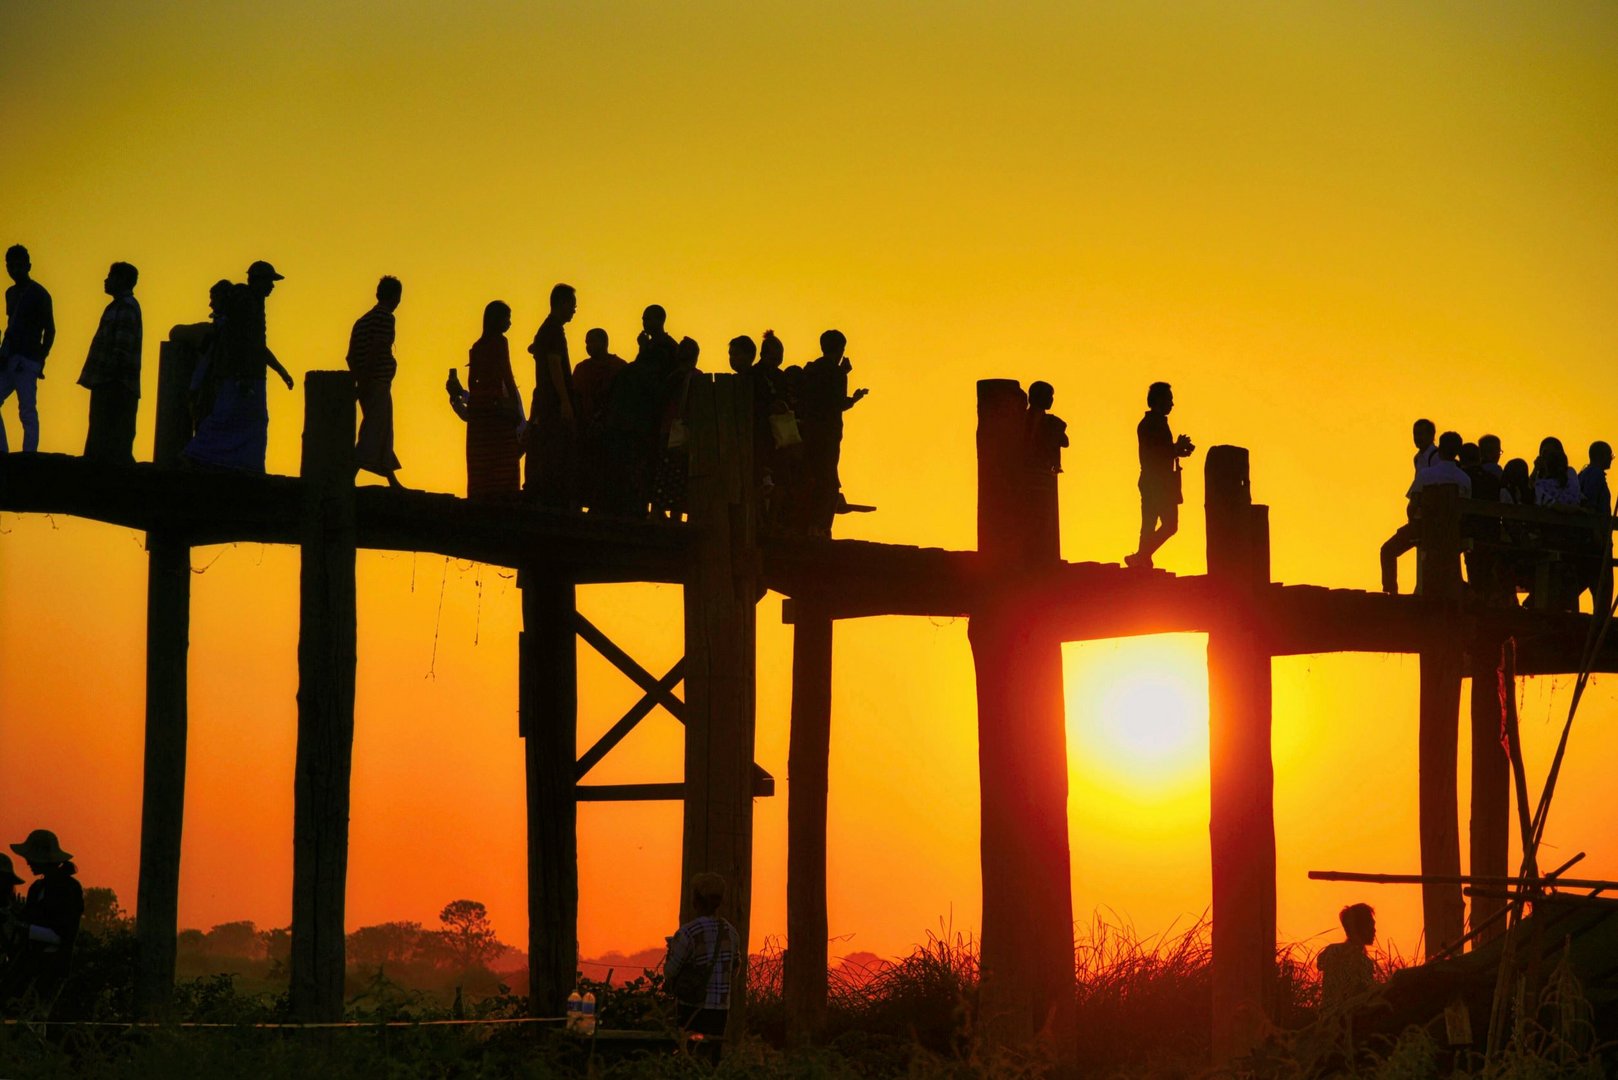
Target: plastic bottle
(587, 1017)
(575, 1010)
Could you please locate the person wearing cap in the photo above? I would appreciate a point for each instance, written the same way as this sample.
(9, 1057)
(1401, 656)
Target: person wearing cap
(235, 432)
(370, 358)
(52, 910)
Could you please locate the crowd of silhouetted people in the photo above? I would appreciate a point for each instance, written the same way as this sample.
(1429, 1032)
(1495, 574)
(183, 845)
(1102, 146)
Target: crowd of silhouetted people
(607, 435)
(1553, 561)
(38, 929)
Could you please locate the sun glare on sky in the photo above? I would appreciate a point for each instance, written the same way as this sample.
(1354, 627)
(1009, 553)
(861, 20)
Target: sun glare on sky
(1138, 710)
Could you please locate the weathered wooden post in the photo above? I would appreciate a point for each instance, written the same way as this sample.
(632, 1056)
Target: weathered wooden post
(1438, 739)
(1491, 781)
(548, 710)
(1241, 813)
(808, 759)
(1027, 952)
(721, 596)
(168, 640)
(326, 659)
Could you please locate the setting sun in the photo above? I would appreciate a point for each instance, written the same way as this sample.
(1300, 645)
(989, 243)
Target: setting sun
(1138, 710)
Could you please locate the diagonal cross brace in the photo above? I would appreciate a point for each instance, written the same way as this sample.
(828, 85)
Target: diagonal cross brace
(655, 692)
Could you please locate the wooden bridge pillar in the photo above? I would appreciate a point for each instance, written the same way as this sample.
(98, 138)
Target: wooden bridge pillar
(721, 597)
(808, 760)
(326, 659)
(548, 709)
(1443, 909)
(168, 640)
(1491, 781)
(1241, 815)
(1027, 952)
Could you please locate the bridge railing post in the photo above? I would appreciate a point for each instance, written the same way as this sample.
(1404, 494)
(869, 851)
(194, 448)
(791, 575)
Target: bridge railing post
(168, 634)
(808, 758)
(1241, 815)
(721, 598)
(1027, 947)
(326, 662)
(1438, 738)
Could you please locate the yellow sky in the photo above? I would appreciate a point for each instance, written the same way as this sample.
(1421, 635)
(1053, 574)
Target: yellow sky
(1317, 221)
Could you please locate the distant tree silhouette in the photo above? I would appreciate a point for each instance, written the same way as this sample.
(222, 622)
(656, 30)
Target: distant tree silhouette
(238, 939)
(103, 916)
(389, 943)
(468, 935)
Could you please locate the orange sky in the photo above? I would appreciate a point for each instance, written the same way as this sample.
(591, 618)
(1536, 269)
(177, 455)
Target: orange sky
(1316, 221)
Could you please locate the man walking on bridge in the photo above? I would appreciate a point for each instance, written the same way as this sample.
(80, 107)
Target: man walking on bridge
(112, 372)
(370, 358)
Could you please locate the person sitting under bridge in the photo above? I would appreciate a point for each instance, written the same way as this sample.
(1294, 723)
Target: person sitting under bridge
(705, 958)
(1347, 972)
(50, 915)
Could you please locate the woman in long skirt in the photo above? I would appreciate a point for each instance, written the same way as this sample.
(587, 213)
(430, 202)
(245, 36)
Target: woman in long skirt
(492, 409)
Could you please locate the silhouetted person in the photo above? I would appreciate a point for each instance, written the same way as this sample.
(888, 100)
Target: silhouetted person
(209, 344)
(492, 409)
(634, 412)
(51, 911)
(1517, 485)
(30, 332)
(673, 468)
(112, 371)
(1422, 433)
(1444, 469)
(1597, 498)
(1047, 434)
(1486, 482)
(778, 444)
(235, 433)
(593, 380)
(1347, 971)
(553, 426)
(1489, 452)
(13, 928)
(1555, 482)
(1160, 484)
(823, 398)
(705, 961)
(370, 358)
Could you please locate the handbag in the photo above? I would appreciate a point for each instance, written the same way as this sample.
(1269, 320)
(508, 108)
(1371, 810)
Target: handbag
(784, 430)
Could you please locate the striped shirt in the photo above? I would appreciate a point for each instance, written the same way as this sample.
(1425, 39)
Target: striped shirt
(114, 355)
(370, 347)
(703, 937)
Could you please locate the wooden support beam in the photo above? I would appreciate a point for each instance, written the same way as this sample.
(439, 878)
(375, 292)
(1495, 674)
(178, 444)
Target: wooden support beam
(168, 641)
(641, 709)
(548, 706)
(1027, 951)
(609, 650)
(721, 596)
(1491, 785)
(763, 788)
(1241, 814)
(808, 761)
(326, 660)
(1442, 653)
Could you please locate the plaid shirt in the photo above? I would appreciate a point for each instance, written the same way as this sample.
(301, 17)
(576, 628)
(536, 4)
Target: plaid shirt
(115, 351)
(693, 943)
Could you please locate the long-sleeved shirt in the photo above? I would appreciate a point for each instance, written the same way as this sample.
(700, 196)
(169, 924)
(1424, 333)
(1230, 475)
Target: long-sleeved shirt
(370, 347)
(705, 937)
(30, 324)
(1593, 487)
(56, 902)
(114, 355)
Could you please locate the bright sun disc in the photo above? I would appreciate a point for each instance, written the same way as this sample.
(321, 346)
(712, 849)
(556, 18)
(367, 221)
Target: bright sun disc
(1138, 710)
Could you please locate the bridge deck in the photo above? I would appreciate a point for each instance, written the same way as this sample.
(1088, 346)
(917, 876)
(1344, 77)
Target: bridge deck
(840, 578)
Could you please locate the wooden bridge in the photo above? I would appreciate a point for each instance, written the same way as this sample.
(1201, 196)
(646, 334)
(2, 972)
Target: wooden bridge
(1022, 602)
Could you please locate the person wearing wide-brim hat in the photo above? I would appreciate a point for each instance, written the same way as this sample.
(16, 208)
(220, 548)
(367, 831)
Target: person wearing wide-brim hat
(51, 912)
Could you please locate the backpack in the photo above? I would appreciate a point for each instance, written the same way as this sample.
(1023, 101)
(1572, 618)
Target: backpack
(690, 983)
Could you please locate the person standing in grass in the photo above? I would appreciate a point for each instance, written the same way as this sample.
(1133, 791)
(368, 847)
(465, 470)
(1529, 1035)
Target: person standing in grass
(704, 962)
(1347, 972)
